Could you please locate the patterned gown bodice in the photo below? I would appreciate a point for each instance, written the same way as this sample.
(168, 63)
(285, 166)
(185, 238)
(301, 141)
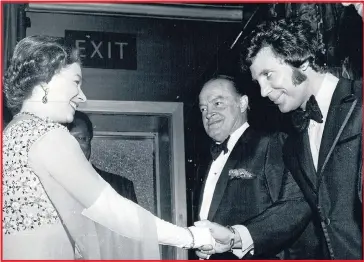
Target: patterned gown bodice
(26, 205)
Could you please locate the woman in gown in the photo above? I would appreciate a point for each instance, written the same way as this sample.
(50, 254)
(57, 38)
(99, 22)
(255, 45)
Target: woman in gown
(55, 205)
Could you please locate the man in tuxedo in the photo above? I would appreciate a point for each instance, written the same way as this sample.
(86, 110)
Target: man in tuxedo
(324, 154)
(81, 128)
(246, 174)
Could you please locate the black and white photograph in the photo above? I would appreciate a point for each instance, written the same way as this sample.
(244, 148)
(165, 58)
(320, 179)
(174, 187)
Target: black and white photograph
(182, 131)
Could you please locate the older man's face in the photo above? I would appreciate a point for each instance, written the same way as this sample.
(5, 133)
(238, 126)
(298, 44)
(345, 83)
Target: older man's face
(80, 132)
(220, 108)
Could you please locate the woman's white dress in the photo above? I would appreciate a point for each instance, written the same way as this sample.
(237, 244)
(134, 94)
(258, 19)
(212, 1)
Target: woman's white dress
(47, 184)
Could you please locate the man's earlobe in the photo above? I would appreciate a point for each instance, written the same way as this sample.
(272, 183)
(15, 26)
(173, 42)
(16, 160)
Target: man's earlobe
(304, 66)
(244, 103)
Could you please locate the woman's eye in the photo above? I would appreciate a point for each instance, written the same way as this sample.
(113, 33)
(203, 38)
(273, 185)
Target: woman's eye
(77, 82)
(202, 109)
(269, 75)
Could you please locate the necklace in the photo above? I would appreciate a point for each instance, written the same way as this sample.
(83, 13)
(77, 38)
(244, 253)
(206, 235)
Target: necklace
(33, 115)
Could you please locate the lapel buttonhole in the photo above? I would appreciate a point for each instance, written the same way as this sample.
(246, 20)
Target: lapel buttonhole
(348, 99)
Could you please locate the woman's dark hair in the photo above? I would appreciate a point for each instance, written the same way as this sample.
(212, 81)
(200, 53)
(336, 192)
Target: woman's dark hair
(292, 40)
(36, 59)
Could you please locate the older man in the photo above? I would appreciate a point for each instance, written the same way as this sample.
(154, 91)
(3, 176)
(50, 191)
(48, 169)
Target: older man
(246, 174)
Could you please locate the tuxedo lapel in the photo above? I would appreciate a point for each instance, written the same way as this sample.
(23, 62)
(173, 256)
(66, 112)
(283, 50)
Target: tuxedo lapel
(304, 157)
(341, 107)
(240, 149)
(221, 185)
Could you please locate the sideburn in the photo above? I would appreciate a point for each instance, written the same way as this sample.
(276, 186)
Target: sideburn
(298, 77)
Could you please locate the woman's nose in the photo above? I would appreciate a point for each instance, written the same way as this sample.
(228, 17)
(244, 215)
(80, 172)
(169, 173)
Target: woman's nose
(81, 96)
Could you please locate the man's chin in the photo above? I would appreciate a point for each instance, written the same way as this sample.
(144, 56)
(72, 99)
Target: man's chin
(213, 137)
(217, 138)
(68, 119)
(284, 109)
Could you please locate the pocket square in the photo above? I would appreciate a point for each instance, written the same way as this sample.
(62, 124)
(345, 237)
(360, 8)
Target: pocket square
(240, 173)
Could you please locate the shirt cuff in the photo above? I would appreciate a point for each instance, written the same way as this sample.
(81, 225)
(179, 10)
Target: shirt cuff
(247, 244)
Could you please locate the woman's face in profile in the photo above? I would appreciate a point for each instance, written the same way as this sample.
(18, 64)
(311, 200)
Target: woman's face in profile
(65, 94)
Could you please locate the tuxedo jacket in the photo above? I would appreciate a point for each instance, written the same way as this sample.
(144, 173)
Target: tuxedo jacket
(120, 184)
(334, 190)
(239, 200)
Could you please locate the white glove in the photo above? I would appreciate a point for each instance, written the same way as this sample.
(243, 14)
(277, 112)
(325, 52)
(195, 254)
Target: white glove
(124, 217)
(202, 237)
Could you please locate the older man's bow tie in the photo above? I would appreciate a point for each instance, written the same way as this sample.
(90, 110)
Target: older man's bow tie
(301, 119)
(216, 149)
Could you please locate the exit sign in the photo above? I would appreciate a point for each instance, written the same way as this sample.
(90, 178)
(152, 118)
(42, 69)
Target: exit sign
(104, 50)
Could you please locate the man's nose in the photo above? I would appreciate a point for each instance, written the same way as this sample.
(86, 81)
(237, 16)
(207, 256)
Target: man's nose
(209, 113)
(265, 88)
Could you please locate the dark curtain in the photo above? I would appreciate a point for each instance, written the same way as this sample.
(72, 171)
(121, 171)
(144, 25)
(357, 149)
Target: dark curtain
(14, 26)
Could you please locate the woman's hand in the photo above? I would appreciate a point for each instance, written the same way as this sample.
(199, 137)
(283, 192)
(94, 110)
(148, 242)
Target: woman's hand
(201, 237)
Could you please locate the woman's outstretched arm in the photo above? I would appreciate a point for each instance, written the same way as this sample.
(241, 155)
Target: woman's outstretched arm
(59, 154)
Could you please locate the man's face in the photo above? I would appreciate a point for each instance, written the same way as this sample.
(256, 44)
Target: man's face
(80, 132)
(275, 78)
(220, 108)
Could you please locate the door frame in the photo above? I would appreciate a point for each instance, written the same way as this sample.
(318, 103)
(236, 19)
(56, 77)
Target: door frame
(174, 110)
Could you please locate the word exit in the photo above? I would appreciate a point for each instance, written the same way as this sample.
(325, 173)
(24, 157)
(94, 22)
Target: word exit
(104, 50)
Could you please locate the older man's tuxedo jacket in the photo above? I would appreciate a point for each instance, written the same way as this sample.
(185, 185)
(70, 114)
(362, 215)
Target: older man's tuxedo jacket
(334, 191)
(238, 200)
(122, 185)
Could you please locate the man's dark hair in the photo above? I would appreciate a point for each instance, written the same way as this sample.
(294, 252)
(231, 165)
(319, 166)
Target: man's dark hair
(82, 117)
(292, 40)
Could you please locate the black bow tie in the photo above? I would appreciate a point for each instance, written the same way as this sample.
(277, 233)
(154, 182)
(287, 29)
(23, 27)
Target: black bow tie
(301, 119)
(216, 149)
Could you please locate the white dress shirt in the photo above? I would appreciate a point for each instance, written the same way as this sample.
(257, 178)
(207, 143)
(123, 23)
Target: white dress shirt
(213, 176)
(215, 171)
(323, 98)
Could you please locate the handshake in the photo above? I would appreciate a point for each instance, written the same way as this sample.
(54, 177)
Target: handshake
(210, 238)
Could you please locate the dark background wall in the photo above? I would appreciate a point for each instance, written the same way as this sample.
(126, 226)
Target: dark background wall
(171, 54)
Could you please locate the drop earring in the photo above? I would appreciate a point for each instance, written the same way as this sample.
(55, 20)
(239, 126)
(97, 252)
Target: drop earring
(304, 66)
(45, 99)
